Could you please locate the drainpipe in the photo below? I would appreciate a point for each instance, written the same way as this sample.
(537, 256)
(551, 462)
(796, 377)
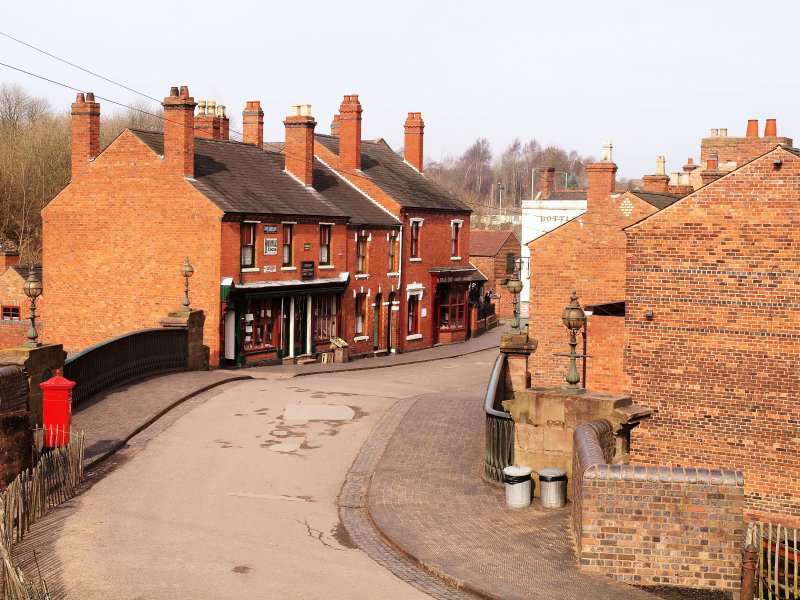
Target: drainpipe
(584, 358)
(401, 338)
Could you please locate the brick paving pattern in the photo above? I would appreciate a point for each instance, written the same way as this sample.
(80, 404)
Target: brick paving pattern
(428, 498)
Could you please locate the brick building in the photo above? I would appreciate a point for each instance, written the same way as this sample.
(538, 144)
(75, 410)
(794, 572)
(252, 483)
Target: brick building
(712, 324)
(586, 254)
(493, 253)
(287, 251)
(14, 304)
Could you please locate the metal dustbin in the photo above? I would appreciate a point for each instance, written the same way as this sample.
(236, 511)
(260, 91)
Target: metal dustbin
(553, 487)
(518, 486)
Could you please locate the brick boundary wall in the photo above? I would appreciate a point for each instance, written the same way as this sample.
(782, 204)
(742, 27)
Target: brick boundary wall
(655, 525)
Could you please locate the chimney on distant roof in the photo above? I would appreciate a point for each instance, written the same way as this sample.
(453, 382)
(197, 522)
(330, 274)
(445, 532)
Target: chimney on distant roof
(253, 124)
(658, 182)
(601, 177)
(350, 133)
(206, 122)
(179, 131)
(299, 148)
(771, 128)
(85, 133)
(412, 150)
(547, 180)
(752, 128)
(224, 123)
(335, 126)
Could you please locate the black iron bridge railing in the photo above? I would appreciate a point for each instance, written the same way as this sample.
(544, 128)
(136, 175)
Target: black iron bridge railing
(499, 426)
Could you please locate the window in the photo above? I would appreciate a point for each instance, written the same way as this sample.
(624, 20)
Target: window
(11, 313)
(415, 239)
(361, 313)
(258, 325)
(248, 245)
(393, 253)
(451, 299)
(413, 315)
(510, 267)
(324, 244)
(455, 230)
(325, 318)
(361, 254)
(287, 245)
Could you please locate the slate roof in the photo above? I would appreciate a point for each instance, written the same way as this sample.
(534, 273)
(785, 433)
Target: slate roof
(485, 242)
(407, 186)
(241, 178)
(567, 195)
(656, 199)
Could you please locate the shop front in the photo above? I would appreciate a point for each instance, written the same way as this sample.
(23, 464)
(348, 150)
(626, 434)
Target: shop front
(450, 287)
(276, 320)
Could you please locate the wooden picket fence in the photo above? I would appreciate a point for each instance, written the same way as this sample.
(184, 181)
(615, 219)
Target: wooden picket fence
(778, 561)
(53, 480)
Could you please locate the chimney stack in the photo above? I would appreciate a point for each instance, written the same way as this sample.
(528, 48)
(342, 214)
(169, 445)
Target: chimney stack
(547, 179)
(601, 177)
(85, 133)
(413, 141)
(771, 128)
(206, 122)
(299, 149)
(179, 131)
(253, 124)
(658, 182)
(350, 133)
(752, 128)
(335, 126)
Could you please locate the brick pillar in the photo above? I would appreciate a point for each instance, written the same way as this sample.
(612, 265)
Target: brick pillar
(350, 133)
(253, 123)
(518, 348)
(39, 364)
(85, 133)
(193, 321)
(412, 150)
(179, 132)
(299, 148)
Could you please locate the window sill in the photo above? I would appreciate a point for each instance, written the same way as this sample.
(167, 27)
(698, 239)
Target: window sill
(325, 267)
(250, 270)
(362, 275)
(415, 259)
(394, 274)
(455, 258)
(360, 338)
(414, 336)
(288, 268)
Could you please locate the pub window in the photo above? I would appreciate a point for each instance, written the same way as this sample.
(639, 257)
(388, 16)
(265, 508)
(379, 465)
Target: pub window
(361, 254)
(287, 245)
(510, 266)
(451, 306)
(11, 313)
(455, 230)
(413, 315)
(324, 244)
(248, 245)
(361, 313)
(415, 239)
(325, 318)
(258, 323)
(393, 253)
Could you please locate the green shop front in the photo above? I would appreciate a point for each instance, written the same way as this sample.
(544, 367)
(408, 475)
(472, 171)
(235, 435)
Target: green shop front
(275, 320)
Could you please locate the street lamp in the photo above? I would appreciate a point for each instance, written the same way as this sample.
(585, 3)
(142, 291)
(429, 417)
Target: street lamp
(501, 187)
(574, 320)
(515, 287)
(187, 271)
(33, 289)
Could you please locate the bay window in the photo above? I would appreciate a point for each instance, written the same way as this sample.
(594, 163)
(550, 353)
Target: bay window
(451, 300)
(258, 325)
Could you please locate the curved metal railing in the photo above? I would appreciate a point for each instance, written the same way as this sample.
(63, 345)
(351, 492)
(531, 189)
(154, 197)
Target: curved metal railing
(499, 426)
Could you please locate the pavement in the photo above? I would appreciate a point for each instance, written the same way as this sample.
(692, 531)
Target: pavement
(414, 499)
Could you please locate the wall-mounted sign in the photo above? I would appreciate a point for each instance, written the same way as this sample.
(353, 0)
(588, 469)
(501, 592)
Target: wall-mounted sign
(307, 247)
(270, 229)
(307, 269)
(271, 246)
(340, 252)
(270, 269)
(453, 279)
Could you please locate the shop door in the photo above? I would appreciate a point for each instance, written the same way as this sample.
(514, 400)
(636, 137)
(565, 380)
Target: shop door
(230, 335)
(300, 325)
(376, 323)
(435, 316)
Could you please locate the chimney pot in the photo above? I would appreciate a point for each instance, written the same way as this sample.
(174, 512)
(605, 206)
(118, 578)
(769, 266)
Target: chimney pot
(90, 96)
(673, 178)
(295, 110)
(184, 91)
(711, 164)
(607, 148)
(201, 107)
(211, 105)
(221, 111)
(752, 128)
(173, 92)
(661, 166)
(770, 129)
(723, 132)
(714, 133)
(305, 110)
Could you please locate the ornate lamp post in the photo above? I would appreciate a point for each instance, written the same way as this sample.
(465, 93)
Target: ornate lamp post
(574, 320)
(515, 287)
(33, 289)
(187, 271)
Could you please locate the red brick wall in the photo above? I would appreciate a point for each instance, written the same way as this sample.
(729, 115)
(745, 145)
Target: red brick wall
(15, 333)
(586, 254)
(113, 245)
(719, 359)
(738, 149)
(605, 343)
(494, 267)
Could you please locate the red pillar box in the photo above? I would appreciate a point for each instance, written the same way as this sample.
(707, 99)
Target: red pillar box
(57, 410)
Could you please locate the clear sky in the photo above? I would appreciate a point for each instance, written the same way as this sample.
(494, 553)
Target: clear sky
(654, 77)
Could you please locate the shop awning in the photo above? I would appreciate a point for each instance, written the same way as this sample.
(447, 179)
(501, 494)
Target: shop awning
(283, 287)
(453, 274)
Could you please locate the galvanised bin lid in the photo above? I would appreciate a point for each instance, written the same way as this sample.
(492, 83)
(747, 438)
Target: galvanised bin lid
(552, 474)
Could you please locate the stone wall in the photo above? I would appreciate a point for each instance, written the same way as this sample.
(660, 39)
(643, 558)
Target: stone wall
(655, 525)
(16, 443)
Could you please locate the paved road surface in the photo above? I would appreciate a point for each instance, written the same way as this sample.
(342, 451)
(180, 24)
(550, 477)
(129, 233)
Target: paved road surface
(234, 494)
